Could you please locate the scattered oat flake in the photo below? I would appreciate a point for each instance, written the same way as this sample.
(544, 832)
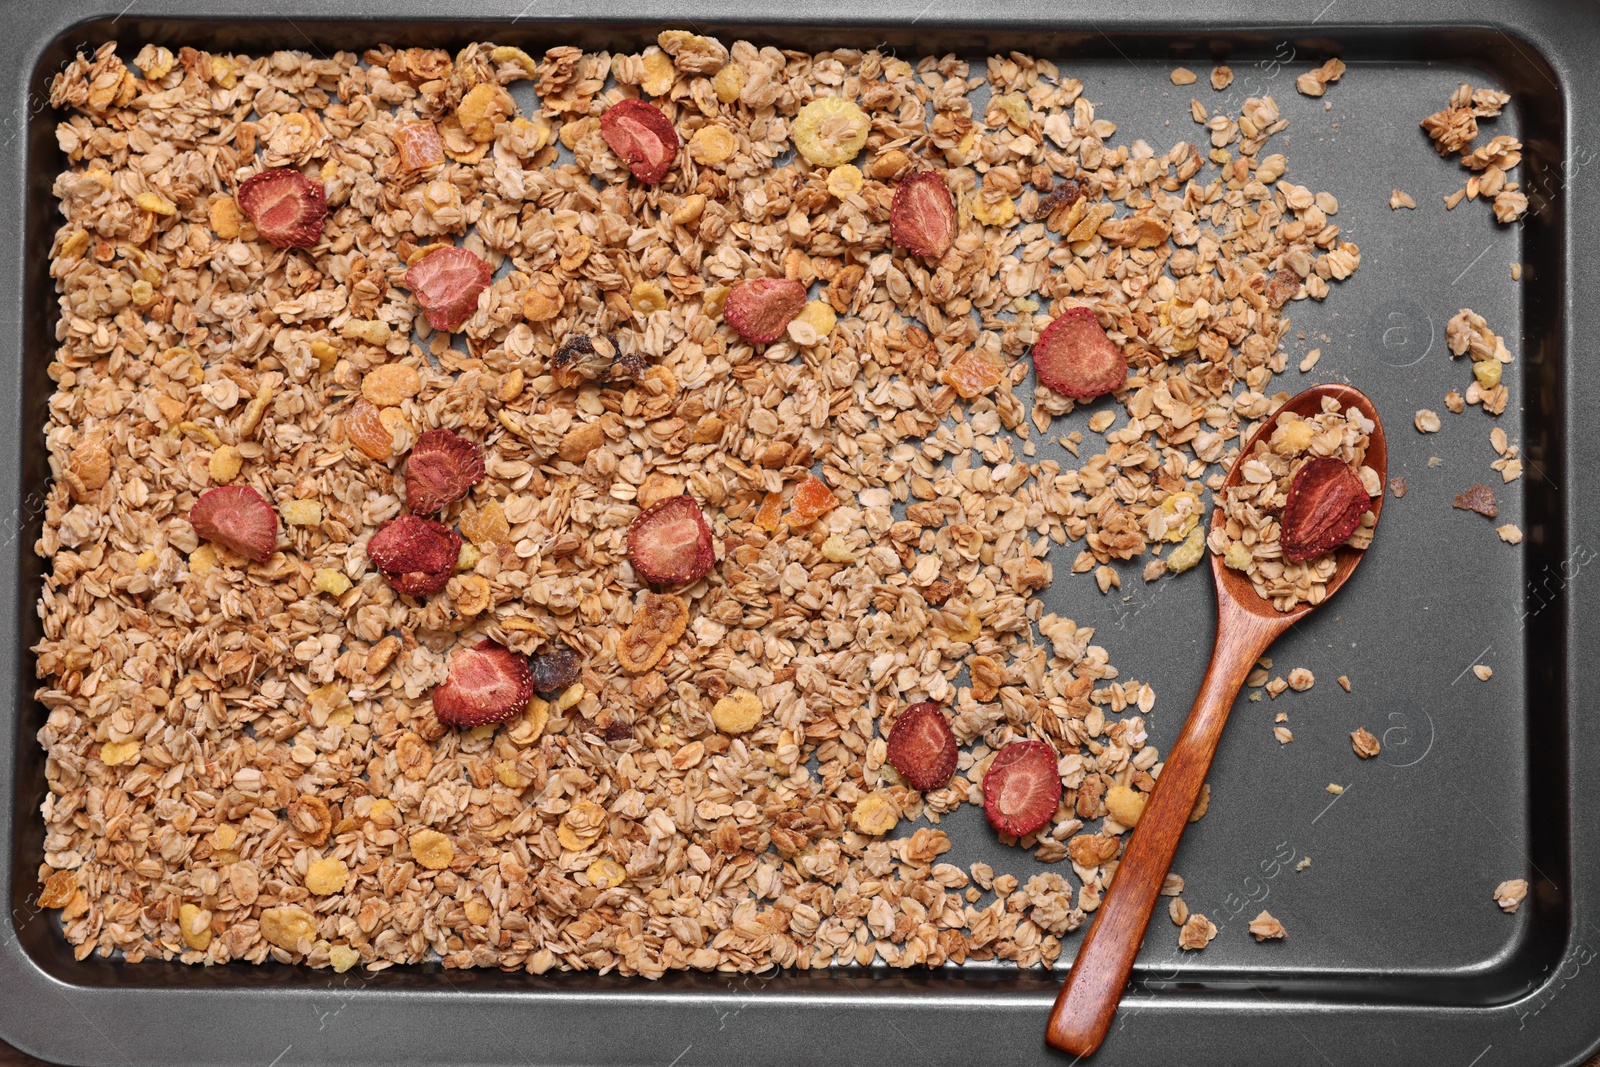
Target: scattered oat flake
(1264, 927)
(1310, 360)
(1364, 743)
(1426, 421)
(1482, 672)
(1335, 788)
(1182, 76)
(1301, 679)
(1510, 894)
(1479, 498)
(1283, 734)
(1516, 272)
(1197, 933)
(1221, 77)
(1305, 861)
(1344, 683)
(1510, 533)
(1398, 200)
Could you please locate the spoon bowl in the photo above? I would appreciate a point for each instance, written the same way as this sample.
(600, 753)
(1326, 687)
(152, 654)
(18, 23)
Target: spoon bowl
(1247, 624)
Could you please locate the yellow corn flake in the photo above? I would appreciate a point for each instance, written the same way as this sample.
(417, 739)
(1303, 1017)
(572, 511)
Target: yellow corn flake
(970, 630)
(484, 104)
(503, 54)
(997, 213)
(224, 465)
(75, 245)
(581, 826)
(328, 580)
(1186, 505)
(142, 292)
(254, 411)
(390, 384)
(728, 83)
(647, 297)
(432, 849)
(1189, 553)
(845, 180)
(194, 926)
(830, 132)
(342, 716)
(383, 813)
(659, 74)
(569, 696)
(371, 331)
(1291, 437)
(326, 355)
(875, 814)
(1237, 557)
(1488, 373)
(531, 726)
(713, 300)
(155, 62)
(116, 753)
(712, 144)
(606, 873)
(203, 559)
(156, 204)
(343, 957)
(1125, 804)
(289, 928)
(145, 559)
(819, 317)
(836, 550)
(738, 712)
(1015, 105)
(223, 72)
(510, 775)
(327, 876)
(302, 512)
(323, 701)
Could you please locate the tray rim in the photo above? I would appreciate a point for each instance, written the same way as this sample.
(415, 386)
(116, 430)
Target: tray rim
(1019, 1004)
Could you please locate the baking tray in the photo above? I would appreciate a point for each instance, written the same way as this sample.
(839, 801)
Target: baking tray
(1396, 953)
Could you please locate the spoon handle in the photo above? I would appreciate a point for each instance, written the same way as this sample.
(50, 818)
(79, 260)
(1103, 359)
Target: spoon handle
(1085, 1006)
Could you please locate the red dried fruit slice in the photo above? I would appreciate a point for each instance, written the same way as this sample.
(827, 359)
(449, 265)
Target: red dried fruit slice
(416, 555)
(419, 145)
(1325, 505)
(922, 218)
(556, 668)
(923, 748)
(441, 468)
(489, 683)
(642, 137)
(287, 207)
(1022, 788)
(1075, 358)
(237, 517)
(446, 283)
(760, 309)
(669, 542)
(1479, 498)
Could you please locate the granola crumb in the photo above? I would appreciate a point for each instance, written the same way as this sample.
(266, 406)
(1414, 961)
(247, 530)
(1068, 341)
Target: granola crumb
(1305, 861)
(1426, 421)
(1516, 272)
(1510, 533)
(1397, 486)
(1316, 82)
(1335, 788)
(1264, 927)
(1344, 683)
(1276, 688)
(1196, 933)
(1482, 672)
(1221, 77)
(1283, 734)
(1435, 462)
(1364, 743)
(1301, 679)
(1182, 76)
(1510, 894)
(1398, 200)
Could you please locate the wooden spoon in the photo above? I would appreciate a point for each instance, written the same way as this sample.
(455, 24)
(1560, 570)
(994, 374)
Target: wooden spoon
(1246, 625)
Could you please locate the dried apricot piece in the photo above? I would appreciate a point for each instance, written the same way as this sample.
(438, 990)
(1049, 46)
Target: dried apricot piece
(487, 684)
(760, 309)
(1021, 788)
(441, 468)
(288, 208)
(1325, 505)
(391, 384)
(812, 500)
(922, 218)
(770, 512)
(367, 432)
(446, 283)
(1075, 358)
(875, 814)
(419, 145)
(923, 748)
(971, 374)
(641, 135)
(670, 542)
(657, 623)
(237, 517)
(830, 132)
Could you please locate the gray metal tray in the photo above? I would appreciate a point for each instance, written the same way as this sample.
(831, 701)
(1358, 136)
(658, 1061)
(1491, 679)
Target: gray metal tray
(1396, 954)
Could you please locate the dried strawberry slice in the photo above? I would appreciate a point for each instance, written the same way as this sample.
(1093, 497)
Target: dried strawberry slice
(669, 542)
(416, 555)
(1325, 505)
(446, 283)
(642, 137)
(441, 468)
(287, 207)
(1075, 358)
(923, 748)
(237, 517)
(1021, 788)
(922, 218)
(489, 683)
(760, 309)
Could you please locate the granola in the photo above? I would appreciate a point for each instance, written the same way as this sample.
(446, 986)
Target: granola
(244, 756)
